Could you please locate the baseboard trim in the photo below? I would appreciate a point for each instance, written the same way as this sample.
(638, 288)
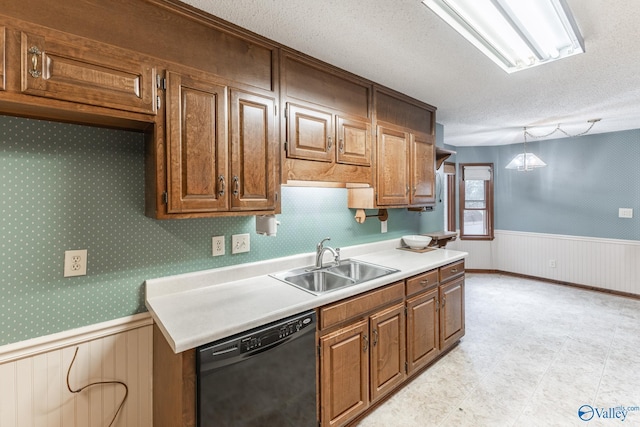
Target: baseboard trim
(556, 282)
(35, 346)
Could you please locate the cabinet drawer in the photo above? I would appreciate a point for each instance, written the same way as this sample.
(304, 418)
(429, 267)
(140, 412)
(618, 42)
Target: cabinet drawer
(340, 311)
(422, 282)
(451, 270)
(60, 66)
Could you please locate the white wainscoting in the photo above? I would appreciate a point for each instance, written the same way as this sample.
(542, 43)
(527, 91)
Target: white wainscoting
(610, 264)
(33, 375)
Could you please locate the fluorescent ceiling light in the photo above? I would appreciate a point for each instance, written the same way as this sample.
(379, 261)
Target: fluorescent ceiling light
(515, 34)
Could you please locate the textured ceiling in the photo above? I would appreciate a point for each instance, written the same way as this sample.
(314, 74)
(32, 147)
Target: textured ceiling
(403, 45)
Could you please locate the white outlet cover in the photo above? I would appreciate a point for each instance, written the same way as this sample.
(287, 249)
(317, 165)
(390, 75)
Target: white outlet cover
(75, 263)
(217, 245)
(240, 243)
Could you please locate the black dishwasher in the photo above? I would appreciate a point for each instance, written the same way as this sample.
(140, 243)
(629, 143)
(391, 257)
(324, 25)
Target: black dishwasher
(262, 377)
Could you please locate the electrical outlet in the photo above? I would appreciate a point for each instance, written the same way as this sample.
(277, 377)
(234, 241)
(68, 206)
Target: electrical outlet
(240, 243)
(383, 226)
(75, 263)
(552, 263)
(217, 245)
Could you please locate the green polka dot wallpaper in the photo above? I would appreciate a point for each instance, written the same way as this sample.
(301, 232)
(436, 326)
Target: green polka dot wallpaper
(65, 187)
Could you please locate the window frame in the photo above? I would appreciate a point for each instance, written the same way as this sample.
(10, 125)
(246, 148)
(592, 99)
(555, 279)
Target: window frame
(488, 200)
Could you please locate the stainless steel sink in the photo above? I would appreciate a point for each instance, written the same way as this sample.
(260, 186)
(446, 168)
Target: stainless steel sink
(320, 280)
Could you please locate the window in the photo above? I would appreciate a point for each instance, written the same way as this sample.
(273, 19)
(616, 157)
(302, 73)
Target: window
(476, 201)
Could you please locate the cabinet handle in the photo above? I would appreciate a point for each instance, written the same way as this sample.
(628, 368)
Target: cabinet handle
(454, 270)
(365, 346)
(375, 337)
(424, 282)
(221, 180)
(35, 52)
(444, 301)
(415, 188)
(236, 186)
(329, 143)
(407, 192)
(341, 145)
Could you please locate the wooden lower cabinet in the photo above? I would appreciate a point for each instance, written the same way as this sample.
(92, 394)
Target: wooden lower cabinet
(377, 346)
(360, 363)
(423, 330)
(452, 324)
(344, 367)
(387, 332)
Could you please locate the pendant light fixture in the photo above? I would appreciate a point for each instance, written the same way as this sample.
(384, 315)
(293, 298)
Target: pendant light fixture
(525, 162)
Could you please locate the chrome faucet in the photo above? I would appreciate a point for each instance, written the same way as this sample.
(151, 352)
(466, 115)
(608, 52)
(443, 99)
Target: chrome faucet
(320, 250)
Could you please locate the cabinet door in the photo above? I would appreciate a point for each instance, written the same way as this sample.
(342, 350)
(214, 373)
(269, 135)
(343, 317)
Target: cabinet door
(60, 66)
(387, 350)
(196, 145)
(422, 329)
(309, 133)
(344, 374)
(354, 141)
(451, 312)
(423, 153)
(393, 166)
(254, 151)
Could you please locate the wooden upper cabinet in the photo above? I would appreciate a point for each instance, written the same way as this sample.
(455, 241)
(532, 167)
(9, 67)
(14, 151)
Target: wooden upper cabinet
(353, 139)
(254, 152)
(69, 68)
(423, 172)
(393, 146)
(197, 178)
(406, 132)
(309, 133)
(328, 124)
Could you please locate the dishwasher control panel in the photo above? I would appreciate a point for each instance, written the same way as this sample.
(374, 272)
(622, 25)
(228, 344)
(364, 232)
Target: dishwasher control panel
(274, 334)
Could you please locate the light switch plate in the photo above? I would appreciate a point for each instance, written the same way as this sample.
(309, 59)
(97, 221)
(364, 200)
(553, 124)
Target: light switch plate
(625, 213)
(240, 243)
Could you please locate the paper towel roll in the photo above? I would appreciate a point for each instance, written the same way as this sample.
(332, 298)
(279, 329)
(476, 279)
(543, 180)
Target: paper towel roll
(266, 225)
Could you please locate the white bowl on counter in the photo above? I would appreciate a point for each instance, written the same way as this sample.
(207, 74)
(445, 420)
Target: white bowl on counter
(416, 241)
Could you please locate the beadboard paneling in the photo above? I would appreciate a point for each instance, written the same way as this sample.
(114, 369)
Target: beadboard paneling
(610, 264)
(33, 389)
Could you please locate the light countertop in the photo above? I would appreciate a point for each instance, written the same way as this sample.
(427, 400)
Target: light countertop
(196, 308)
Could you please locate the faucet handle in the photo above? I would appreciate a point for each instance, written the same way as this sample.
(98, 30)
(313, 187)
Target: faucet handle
(337, 257)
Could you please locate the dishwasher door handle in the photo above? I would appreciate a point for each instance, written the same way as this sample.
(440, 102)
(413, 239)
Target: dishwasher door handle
(223, 352)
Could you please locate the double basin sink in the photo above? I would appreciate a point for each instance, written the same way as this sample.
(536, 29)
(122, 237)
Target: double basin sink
(346, 273)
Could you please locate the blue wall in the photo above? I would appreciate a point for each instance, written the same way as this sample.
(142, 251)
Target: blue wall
(68, 187)
(587, 179)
